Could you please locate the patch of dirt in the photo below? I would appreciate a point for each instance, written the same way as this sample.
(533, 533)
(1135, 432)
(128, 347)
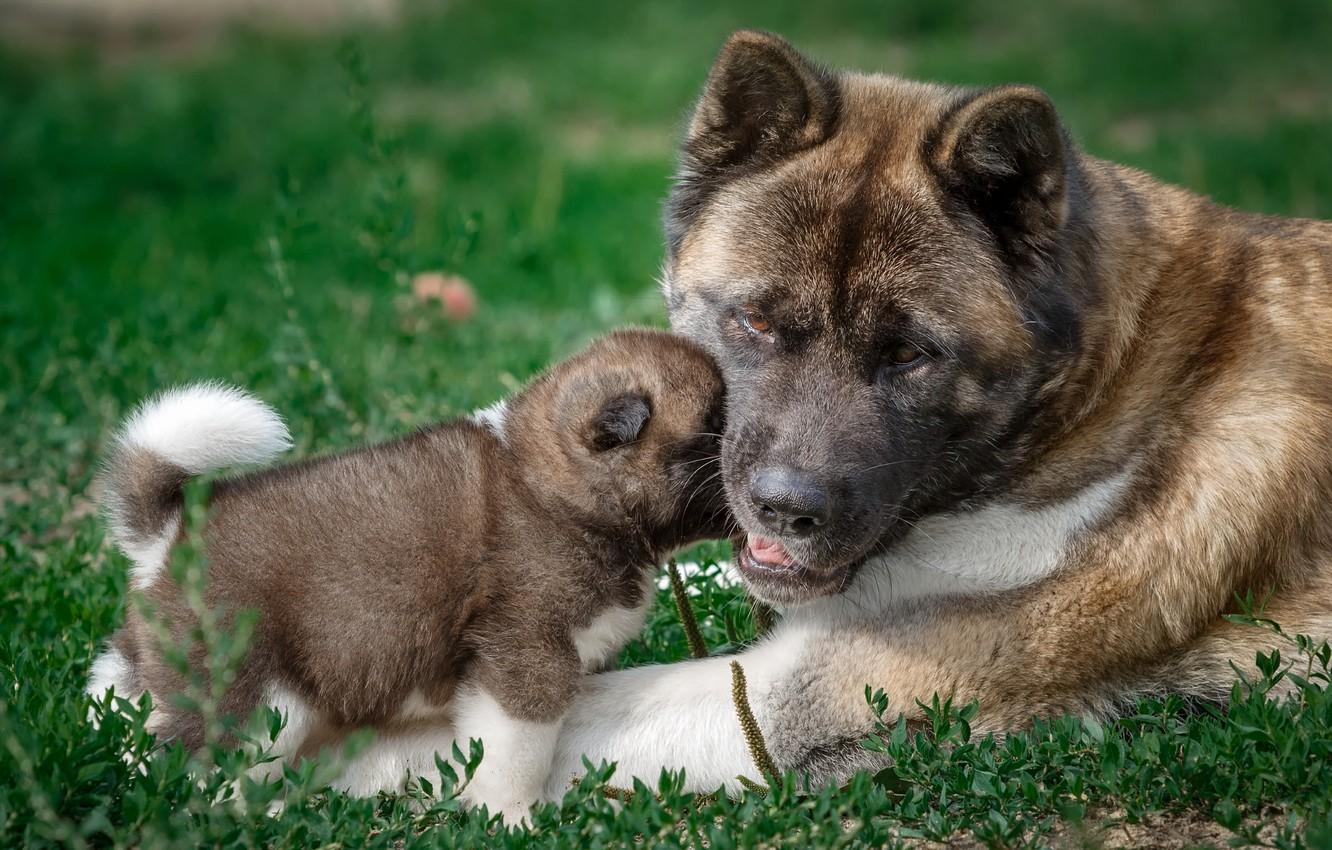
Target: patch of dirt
(1158, 832)
(1134, 134)
(866, 54)
(1251, 111)
(591, 138)
(1110, 831)
(76, 507)
(585, 137)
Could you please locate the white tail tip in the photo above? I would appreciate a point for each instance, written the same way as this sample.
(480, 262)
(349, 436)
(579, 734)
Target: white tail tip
(203, 427)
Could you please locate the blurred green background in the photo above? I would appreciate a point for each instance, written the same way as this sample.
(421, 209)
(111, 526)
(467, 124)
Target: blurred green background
(250, 205)
(187, 199)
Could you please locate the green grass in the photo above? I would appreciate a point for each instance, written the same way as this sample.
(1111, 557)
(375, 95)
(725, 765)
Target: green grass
(252, 214)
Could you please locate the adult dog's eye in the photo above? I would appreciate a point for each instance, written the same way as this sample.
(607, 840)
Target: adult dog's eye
(755, 323)
(904, 355)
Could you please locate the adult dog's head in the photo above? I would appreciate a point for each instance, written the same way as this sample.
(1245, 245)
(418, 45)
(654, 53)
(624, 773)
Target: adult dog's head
(893, 277)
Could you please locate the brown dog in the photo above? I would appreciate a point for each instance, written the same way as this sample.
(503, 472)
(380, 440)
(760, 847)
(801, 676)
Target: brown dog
(505, 557)
(1006, 421)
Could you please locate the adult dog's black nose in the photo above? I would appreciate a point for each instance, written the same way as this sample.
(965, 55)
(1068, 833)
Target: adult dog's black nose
(789, 501)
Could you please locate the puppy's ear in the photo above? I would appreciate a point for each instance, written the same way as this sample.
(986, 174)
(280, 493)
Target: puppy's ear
(620, 420)
(763, 101)
(1003, 153)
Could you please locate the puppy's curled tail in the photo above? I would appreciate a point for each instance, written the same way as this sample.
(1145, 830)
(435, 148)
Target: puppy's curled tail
(181, 433)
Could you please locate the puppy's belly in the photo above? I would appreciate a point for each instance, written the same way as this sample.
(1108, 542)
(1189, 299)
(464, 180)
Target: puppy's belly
(420, 708)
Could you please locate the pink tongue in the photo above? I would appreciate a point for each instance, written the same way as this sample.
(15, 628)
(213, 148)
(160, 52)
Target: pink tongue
(770, 552)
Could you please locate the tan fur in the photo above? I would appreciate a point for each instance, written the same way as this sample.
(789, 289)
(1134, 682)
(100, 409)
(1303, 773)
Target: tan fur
(1201, 364)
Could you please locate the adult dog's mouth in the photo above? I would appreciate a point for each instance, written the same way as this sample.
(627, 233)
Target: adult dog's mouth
(765, 555)
(777, 576)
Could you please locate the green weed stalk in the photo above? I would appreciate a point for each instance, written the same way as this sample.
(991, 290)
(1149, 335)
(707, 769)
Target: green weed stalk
(697, 646)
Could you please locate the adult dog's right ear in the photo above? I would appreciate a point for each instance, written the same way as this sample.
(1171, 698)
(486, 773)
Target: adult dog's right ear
(763, 101)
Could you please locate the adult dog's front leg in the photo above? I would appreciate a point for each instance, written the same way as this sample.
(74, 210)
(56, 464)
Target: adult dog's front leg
(678, 716)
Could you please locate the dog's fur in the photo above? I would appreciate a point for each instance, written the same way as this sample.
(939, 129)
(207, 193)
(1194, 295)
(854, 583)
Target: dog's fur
(482, 566)
(1063, 414)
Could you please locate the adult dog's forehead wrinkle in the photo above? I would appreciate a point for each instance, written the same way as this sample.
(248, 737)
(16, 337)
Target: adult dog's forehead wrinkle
(849, 238)
(811, 237)
(854, 247)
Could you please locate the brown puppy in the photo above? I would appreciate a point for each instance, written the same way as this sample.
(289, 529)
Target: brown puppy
(506, 554)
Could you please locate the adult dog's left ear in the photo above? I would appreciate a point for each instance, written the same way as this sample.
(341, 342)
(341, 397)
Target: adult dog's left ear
(763, 99)
(1004, 154)
(763, 102)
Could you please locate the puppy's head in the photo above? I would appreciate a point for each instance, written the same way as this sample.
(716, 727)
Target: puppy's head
(626, 435)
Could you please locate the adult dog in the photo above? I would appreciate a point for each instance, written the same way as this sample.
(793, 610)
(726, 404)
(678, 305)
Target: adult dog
(1006, 421)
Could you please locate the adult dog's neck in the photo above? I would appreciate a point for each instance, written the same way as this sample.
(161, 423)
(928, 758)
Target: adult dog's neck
(1143, 309)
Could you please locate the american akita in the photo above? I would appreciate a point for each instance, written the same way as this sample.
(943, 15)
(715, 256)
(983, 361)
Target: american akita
(1005, 421)
(478, 568)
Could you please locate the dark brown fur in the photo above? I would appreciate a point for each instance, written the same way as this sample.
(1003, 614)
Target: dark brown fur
(405, 566)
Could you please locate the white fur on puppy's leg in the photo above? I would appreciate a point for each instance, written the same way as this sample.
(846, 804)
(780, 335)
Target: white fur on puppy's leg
(518, 755)
(300, 719)
(392, 757)
(110, 670)
(676, 716)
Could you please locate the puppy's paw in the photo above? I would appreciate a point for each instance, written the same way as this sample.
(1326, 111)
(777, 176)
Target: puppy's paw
(514, 807)
(518, 753)
(517, 814)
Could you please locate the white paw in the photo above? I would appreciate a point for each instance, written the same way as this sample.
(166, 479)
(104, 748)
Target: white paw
(515, 809)
(512, 773)
(517, 814)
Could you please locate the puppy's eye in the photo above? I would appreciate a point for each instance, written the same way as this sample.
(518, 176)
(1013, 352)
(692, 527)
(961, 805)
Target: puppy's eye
(755, 323)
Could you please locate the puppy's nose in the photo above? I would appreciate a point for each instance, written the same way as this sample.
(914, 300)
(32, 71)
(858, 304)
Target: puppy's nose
(789, 501)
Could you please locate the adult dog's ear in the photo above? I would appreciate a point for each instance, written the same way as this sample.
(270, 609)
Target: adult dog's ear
(621, 420)
(763, 101)
(1004, 154)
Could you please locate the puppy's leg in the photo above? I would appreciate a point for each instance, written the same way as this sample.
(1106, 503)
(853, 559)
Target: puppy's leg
(300, 719)
(115, 668)
(517, 754)
(393, 756)
(116, 671)
(515, 706)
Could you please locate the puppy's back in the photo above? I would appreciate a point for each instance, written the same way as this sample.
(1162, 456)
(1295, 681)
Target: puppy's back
(379, 554)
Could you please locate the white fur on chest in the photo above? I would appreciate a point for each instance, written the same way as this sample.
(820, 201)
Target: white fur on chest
(607, 634)
(996, 548)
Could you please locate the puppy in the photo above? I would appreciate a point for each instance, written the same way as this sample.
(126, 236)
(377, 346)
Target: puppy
(478, 566)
